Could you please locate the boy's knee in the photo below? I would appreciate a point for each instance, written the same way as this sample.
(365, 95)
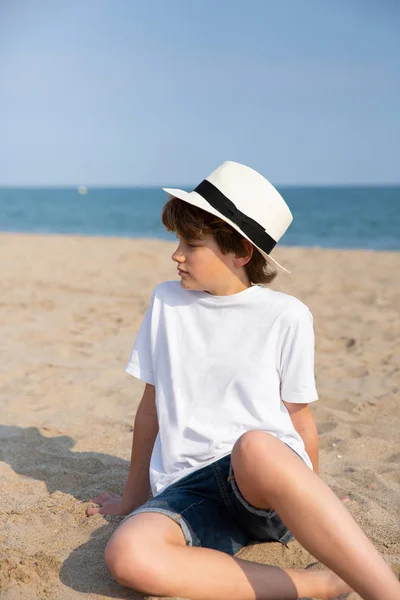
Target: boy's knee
(120, 559)
(131, 566)
(251, 443)
(255, 448)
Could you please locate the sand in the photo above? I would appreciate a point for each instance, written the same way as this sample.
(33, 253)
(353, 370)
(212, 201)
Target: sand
(70, 308)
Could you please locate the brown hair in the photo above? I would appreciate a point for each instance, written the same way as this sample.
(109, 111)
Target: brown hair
(191, 223)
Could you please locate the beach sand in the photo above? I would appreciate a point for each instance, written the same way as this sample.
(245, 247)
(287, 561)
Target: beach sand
(70, 308)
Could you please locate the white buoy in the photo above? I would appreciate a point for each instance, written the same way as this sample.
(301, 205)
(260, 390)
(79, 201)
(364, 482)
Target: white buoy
(82, 190)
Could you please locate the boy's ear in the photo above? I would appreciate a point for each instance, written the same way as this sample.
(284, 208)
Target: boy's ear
(247, 252)
(248, 248)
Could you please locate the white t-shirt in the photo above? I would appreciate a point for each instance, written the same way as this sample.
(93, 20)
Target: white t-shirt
(221, 365)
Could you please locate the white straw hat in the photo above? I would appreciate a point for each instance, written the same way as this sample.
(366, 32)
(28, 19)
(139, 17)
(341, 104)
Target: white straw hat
(247, 201)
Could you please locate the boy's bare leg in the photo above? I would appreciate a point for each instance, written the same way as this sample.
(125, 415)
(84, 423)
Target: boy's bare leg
(269, 474)
(149, 554)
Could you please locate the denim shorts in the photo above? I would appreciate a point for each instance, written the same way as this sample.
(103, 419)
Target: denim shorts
(212, 513)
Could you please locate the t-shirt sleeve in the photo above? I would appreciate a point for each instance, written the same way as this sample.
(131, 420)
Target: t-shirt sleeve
(297, 359)
(140, 362)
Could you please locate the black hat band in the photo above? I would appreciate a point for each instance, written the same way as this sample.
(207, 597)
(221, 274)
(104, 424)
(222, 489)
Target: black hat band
(226, 207)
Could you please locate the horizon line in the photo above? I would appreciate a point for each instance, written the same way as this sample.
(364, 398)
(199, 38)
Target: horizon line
(187, 187)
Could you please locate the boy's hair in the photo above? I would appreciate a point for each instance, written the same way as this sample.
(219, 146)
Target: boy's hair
(191, 223)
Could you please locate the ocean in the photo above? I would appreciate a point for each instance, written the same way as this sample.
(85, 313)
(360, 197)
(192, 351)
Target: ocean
(330, 217)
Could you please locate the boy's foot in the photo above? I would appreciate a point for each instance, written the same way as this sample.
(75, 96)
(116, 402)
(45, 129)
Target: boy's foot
(334, 587)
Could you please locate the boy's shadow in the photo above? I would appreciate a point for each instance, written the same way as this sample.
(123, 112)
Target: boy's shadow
(81, 475)
(50, 459)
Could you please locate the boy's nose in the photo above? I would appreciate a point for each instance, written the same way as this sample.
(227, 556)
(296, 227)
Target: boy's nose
(178, 256)
(178, 259)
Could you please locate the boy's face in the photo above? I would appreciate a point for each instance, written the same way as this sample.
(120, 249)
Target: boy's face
(204, 267)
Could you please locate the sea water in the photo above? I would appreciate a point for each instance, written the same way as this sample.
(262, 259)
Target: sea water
(333, 217)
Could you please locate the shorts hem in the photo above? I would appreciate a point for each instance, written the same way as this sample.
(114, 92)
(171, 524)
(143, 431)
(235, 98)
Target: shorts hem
(168, 513)
(286, 538)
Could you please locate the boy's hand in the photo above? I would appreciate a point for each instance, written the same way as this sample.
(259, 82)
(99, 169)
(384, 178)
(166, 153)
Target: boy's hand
(109, 504)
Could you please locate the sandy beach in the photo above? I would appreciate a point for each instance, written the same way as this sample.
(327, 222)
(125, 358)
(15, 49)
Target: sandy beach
(70, 308)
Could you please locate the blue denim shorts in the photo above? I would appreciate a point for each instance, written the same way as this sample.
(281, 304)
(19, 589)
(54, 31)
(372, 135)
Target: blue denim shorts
(212, 513)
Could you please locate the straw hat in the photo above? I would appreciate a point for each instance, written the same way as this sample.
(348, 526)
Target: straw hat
(247, 201)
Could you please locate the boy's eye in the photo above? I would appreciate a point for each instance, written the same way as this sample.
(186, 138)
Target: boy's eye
(187, 243)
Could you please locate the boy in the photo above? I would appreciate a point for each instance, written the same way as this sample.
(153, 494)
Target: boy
(223, 434)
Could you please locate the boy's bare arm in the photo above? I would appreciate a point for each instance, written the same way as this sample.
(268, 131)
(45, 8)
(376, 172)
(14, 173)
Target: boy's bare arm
(145, 431)
(137, 487)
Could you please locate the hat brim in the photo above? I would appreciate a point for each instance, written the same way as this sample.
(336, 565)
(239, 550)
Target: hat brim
(196, 200)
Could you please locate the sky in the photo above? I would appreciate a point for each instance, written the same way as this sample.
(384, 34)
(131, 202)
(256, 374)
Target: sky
(160, 92)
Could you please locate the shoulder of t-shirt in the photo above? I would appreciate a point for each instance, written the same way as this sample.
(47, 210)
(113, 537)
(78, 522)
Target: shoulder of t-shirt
(288, 307)
(165, 289)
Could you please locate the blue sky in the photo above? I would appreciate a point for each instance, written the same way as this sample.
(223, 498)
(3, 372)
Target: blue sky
(160, 92)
